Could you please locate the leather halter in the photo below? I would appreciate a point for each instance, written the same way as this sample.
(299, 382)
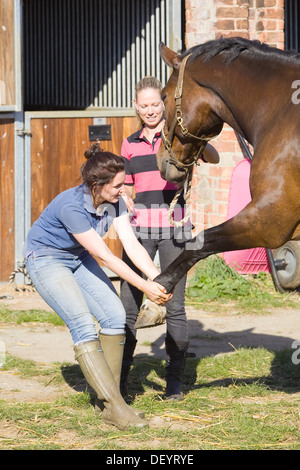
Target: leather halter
(178, 120)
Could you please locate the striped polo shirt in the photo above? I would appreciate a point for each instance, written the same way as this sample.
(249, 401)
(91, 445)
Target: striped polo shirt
(153, 194)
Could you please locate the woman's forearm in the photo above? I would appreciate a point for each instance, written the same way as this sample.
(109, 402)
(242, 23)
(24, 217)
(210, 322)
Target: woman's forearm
(98, 248)
(134, 249)
(141, 259)
(122, 270)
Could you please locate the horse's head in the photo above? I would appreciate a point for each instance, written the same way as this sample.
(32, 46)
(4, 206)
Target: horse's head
(190, 120)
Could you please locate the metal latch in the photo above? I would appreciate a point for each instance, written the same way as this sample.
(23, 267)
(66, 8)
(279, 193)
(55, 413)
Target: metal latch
(23, 132)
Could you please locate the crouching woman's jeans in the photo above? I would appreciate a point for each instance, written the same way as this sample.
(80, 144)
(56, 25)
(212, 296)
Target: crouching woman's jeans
(77, 289)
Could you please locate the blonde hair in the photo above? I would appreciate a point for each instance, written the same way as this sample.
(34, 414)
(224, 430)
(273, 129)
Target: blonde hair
(148, 82)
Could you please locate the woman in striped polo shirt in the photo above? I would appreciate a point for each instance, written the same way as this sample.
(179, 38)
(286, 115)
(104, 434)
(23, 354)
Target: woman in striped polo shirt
(150, 222)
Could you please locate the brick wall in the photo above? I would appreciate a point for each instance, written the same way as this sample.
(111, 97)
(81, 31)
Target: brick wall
(210, 19)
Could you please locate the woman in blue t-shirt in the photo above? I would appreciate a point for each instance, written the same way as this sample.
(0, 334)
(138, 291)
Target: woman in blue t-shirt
(61, 251)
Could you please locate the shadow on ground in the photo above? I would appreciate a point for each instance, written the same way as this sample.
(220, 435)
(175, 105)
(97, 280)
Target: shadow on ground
(284, 374)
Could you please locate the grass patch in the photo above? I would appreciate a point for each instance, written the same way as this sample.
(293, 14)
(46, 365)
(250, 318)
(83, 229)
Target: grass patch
(248, 399)
(48, 374)
(27, 316)
(216, 286)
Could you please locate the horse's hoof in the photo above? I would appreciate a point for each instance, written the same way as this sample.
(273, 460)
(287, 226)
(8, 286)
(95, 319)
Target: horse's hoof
(150, 315)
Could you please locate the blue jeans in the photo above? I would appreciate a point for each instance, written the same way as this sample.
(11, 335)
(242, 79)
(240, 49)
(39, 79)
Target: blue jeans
(77, 289)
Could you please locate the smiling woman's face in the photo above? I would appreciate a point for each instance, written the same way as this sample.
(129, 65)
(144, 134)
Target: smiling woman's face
(111, 191)
(149, 105)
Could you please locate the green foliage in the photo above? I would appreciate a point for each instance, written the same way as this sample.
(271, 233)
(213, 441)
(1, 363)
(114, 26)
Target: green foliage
(216, 282)
(214, 279)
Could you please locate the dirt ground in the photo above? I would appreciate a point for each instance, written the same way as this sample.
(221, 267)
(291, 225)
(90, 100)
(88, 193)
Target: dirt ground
(210, 334)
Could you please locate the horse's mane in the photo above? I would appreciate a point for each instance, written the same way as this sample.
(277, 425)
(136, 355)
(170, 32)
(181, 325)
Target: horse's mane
(231, 48)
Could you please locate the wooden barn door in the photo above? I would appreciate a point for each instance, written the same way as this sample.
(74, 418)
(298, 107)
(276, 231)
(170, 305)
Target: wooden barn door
(10, 107)
(10, 56)
(57, 153)
(7, 199)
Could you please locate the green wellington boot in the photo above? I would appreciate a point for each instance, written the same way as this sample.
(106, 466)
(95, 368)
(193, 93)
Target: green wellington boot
(113, 349)
(98, 375)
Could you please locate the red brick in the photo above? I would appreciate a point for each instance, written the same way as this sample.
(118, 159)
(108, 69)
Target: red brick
(225, 2)
(224, 184)
(225, 146)
(260, 26)
(270, 3)
(242, 24)
(273, 39)
(222, 209)
(280, 25)
(224, 24)
(232, 12)
(221, 195)
(216, 220)
(227, 135)
(216, 171)
(192, 27)
(271, 25)
(229, 34)
(277, 13)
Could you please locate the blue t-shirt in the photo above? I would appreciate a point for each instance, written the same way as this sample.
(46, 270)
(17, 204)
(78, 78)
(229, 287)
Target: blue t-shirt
(72, 211)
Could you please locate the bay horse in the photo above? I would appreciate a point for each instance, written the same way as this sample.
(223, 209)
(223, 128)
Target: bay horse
(253, 88)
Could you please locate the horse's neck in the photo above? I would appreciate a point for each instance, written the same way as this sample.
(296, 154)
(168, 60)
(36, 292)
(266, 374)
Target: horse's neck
(237, 89)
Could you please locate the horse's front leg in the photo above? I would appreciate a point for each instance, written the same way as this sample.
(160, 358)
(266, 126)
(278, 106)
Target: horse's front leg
(194, 251)
(248, 229)
(176, 270)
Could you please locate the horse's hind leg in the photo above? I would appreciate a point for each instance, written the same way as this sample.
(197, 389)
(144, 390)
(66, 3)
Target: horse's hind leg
(248, 229)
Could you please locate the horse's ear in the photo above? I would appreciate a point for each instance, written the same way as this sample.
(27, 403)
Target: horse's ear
(171, 58)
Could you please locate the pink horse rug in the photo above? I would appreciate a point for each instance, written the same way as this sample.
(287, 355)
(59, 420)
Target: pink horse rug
(255, 259)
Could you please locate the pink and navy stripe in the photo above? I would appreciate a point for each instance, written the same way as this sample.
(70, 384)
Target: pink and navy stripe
(153, 194)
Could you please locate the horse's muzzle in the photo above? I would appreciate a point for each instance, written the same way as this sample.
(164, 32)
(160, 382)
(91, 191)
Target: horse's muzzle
(170, 173)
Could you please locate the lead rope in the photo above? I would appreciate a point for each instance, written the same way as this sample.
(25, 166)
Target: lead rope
(187, 203)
